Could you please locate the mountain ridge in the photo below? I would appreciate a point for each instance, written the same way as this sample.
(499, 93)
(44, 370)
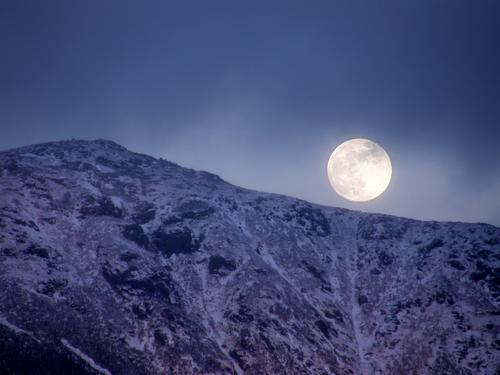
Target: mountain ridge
(200, 276)
(111, 143)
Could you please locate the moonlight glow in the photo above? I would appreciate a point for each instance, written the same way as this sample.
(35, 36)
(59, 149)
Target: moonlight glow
(359, 170)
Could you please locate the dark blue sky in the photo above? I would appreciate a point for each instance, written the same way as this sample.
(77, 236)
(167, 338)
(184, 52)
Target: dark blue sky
(260, 92)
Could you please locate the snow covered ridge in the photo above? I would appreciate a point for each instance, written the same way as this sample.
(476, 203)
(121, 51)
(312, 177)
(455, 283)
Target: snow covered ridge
(113, 262)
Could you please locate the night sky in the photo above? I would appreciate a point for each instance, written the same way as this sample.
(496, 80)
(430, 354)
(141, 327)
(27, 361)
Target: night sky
(261, 92)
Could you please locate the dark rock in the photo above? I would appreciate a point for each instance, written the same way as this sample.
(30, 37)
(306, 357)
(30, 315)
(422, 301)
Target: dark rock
(102, 206)
(194, 209)
(385, 259)
(178, 241)
(434, 244)
(239, 357)
(52, 286)
(145, 214)
(334, 314)
(218, 265)
(456, 264)
(135, 233)
(314, 271)
(325, 328)
(160, 337)
(362, 299)
(155, 285)
(310, 219)
(127, 257)
(38, 251)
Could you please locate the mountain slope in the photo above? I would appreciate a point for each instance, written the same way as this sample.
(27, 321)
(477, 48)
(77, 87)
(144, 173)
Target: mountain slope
(116, 262)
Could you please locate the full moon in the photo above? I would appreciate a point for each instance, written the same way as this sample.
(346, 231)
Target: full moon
(359, 170)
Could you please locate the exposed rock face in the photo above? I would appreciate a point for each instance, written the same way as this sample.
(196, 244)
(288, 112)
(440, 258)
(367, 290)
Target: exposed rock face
(115, 262)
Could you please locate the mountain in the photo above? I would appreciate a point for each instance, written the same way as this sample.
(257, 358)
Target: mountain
(113, 262)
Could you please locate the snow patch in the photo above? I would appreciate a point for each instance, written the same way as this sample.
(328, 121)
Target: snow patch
(135, 343)
(117, 201)
(85, 357)
(16, 329)
(103, 169)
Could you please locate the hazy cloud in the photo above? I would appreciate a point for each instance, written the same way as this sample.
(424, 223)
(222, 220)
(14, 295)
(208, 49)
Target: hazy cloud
(261, 94)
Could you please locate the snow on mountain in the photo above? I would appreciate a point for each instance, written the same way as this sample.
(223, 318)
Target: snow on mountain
(112, 262)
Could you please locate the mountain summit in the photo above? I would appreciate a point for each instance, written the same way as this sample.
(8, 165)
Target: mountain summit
(113, 262)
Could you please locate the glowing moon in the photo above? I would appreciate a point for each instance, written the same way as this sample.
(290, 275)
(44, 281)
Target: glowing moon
(359, 170)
